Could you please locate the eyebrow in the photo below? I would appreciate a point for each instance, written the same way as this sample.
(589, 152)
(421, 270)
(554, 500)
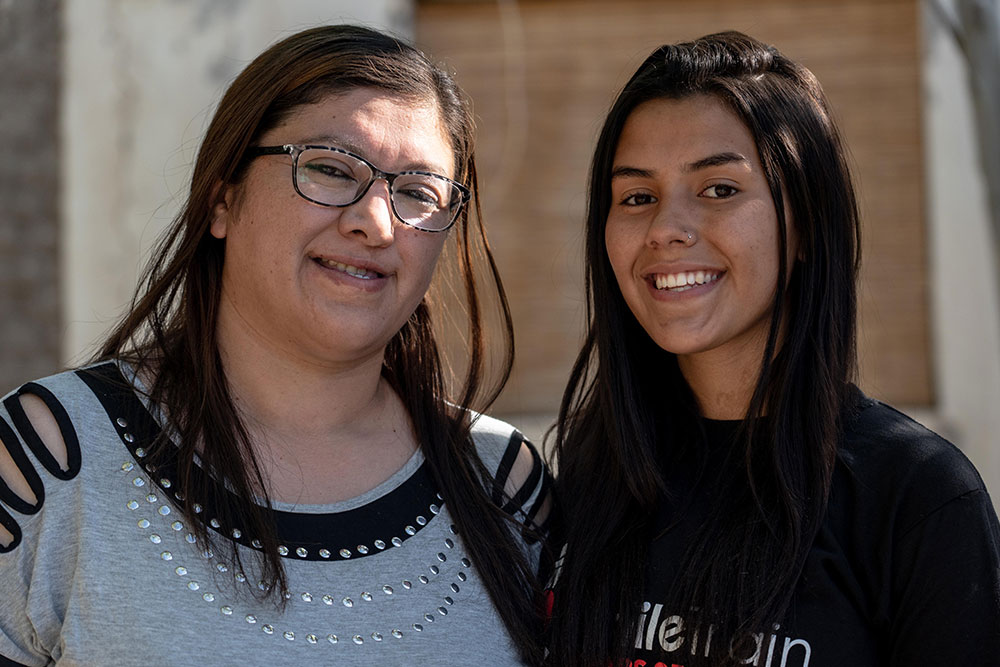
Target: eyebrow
(718, 159)
(348, 145)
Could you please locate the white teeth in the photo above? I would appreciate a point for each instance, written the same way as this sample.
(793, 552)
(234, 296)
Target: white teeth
(350, 270)
(684, 281)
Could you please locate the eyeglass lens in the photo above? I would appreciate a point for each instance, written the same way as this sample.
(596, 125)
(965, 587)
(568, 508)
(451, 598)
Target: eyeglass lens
(336, 179)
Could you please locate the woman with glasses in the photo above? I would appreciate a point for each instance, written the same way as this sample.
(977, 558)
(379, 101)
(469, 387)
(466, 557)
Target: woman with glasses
(266, 464)
(729, 497)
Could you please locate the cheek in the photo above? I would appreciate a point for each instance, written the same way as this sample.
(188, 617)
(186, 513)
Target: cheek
(620, 249)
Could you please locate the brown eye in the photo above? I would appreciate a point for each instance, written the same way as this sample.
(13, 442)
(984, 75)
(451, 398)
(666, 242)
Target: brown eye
(719, 191)
(639, 199)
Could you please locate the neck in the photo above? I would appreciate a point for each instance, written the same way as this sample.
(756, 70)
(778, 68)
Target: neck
(323, 431)
(722, 381)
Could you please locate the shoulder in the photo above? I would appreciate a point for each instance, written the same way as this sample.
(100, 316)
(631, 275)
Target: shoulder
(42, 426)
(520, 477)
(888, 453)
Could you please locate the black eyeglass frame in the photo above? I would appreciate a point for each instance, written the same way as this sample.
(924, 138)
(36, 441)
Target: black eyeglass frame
(295, 150)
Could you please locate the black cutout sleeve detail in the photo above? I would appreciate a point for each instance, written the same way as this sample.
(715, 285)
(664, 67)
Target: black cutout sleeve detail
(16, 502)
(400, 510)
(7, 662)
(506, 465)
(8, 522)
(34, 442)
(528, 487)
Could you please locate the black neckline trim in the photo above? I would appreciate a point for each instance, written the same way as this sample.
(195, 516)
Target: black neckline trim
(356, 533)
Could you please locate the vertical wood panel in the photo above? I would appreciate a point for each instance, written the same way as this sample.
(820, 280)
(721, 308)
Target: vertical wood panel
(543, 73)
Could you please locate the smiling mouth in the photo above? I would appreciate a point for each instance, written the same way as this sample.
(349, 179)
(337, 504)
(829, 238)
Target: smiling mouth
(680, 282)
(357, 272)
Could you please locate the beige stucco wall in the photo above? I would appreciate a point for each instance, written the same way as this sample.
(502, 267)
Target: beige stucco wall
(142, 78)
(964, 300)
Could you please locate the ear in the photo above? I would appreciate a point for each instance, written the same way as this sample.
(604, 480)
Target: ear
(223, 198)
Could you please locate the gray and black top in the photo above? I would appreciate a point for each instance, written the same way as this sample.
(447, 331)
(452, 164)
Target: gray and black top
(103, 570)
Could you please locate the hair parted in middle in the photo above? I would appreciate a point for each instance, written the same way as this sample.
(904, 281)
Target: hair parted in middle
(170, 330)
(627, 406)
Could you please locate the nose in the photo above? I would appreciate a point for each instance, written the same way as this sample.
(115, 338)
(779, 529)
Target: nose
(371, 217)
(673, 225)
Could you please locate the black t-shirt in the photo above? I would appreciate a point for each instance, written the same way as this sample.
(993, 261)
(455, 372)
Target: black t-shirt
(905, 570)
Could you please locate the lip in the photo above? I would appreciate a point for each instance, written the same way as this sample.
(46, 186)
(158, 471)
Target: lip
(361, 273)
(685, 280)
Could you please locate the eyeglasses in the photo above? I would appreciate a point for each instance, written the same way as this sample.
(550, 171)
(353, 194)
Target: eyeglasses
(334, 177)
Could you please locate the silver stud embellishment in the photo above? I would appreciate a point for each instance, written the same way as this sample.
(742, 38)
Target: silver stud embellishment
(140, 452)
(301, 552)
(377, 636)
(397, 634)
(166, 555)
(194, 585)
(251, 619)
(214, 523)
(348, 602)
(387, 590)
(379, 544)
(324, 553)
(268, 629)
(396, 542)
(312, 639)
(345, 553)
(332, 639)
(327, 599)
(418, 627)
(132, 505)
(180, 570)
(154, 538)
(139, 481)
(127, 466)
(366, 596)
(410, 530)
(358, 639)
(208, 597)
(421, 521)
(143, 523)
(282, 550)
(121, 422)
(362, 549)
(289, 635)
(164, 510)
(128, 437)
(226, 610)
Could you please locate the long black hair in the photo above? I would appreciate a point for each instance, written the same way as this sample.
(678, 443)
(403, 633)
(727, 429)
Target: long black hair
(170, 330)
(615, 423)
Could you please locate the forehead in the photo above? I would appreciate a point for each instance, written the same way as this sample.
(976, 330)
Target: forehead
(680, 131)
(393, 131)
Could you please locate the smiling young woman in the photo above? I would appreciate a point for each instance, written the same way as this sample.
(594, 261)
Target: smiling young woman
(263, 465)
(730, 498)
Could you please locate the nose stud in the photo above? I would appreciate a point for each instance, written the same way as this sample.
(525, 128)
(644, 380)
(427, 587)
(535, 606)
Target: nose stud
(690, 238)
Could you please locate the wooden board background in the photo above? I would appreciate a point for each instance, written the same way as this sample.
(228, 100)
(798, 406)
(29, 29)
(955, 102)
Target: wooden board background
(543, 73)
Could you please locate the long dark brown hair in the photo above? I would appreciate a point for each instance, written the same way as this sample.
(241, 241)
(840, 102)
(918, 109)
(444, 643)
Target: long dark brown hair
(627, 404)
(170, 330)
